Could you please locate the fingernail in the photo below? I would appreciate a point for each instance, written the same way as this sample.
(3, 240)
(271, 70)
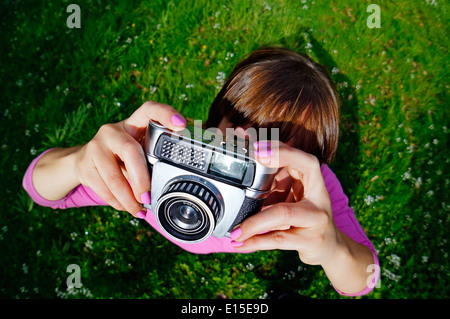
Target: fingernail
(236, 243)
(178, 120)
(261, 145)
(145, 198)
(142, 214)
(264, 153)
(263, 149)
(235, 234)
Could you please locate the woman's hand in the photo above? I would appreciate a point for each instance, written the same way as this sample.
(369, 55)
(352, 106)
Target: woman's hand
(112, 164)
(304, 222)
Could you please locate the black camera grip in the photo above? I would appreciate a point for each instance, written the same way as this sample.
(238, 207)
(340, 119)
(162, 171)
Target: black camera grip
(249, 207)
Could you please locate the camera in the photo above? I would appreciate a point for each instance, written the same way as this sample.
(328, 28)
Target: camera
(203, 184)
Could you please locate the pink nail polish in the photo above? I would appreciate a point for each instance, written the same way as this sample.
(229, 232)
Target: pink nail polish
(145, 198)
(236, 233)
(236, 243)
(264, 153)
(261, 145)
(142, 214)
(178, 120)
(263, 149)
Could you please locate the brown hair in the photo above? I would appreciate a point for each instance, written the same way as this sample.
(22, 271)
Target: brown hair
(275, 87)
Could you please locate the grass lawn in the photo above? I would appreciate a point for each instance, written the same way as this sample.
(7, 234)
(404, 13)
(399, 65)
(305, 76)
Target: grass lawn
(59, 85)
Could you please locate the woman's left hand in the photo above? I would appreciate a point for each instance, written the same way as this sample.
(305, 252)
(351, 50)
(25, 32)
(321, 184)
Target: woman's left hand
(303, 222)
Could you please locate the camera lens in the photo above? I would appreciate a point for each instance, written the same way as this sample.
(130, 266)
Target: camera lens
(185, 217)
(188, 211)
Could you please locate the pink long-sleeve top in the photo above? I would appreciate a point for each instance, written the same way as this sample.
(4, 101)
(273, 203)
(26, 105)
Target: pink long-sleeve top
(343, 215)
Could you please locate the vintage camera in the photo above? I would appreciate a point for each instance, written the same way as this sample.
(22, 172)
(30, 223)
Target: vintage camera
(202, 183)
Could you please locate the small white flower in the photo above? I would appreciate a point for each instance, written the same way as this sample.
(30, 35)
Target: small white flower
(25, 268)
(369, 199)
(395, 260)
(418, 182)
(88, 244)
(109, 262)
(153, 89)
(389, 241)
(390, 275)
(229, 55)
(406, 176)
(221, 77)
(134, 222)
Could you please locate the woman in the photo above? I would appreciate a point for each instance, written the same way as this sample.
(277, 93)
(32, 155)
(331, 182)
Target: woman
(306, 209)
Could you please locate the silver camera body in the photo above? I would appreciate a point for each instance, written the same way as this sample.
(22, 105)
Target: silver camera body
(202, 184)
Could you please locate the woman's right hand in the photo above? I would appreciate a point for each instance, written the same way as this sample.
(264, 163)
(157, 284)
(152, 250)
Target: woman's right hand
(113, 163)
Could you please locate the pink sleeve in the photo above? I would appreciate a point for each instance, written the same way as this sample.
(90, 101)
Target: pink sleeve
(210, 245)
(345, 221)
(79, 196)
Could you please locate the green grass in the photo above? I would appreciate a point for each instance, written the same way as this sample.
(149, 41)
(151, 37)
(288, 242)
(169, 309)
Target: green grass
(60, 85)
